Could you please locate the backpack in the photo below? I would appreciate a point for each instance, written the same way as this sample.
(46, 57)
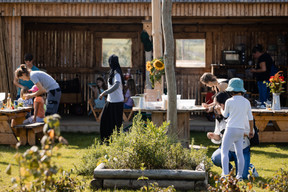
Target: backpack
(254, 141)
(274, 69)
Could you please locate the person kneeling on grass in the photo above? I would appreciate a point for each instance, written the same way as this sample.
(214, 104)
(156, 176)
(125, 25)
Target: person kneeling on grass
(39, 112)
(216, 138)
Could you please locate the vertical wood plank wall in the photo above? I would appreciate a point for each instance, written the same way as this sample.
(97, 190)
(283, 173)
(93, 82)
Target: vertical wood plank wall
(62, 51)
(74, 51)
(11, 51)
(144, 9)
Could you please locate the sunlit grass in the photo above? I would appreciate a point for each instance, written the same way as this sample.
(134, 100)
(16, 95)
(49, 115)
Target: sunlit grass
(267, 158)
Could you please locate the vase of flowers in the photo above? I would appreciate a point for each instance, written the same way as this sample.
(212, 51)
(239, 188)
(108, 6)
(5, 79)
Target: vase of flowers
(276, 88)
(156, 68)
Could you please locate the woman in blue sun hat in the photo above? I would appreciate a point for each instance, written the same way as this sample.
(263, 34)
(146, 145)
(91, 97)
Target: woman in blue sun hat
(237, 110)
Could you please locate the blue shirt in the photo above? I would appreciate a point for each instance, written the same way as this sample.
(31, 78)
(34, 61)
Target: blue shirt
(28, 84)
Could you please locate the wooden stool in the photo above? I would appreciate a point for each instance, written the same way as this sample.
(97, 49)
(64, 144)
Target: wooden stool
(97, 112)
(28, 132)
(127, 114)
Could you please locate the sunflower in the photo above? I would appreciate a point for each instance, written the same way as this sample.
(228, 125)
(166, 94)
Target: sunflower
(148, 66)
(159, 65)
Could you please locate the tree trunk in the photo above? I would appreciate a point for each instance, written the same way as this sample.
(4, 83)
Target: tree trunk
(169, 66)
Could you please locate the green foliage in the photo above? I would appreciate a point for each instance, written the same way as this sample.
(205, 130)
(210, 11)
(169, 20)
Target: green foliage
(154, 187)
(279, 182)
(230, 183)
(37, 172)
(66, 183)
(148, 146)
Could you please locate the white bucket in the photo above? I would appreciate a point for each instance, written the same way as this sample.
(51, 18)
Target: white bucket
(2, 96)
(139, 101)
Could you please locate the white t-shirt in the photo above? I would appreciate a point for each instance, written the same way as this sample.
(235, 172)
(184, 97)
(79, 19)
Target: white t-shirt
(117, 95)
(238, 111)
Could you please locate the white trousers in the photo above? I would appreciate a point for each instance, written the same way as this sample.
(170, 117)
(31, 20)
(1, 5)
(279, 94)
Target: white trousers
(232, 136)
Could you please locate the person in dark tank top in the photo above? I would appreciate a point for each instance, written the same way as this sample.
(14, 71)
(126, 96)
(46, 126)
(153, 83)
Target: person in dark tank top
(264, 63)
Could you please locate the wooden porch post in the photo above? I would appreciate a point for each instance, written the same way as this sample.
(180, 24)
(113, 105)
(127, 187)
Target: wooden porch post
(157, 33)
(147, 26)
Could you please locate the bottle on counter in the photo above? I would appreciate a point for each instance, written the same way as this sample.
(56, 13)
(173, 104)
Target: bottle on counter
(8, 101)
(158, 96)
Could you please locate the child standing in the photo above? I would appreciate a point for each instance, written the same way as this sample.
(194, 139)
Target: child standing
(39, 112)
(237, 111)
(130, 91)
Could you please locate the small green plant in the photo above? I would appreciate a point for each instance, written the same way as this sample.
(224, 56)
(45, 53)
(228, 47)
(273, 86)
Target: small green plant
(67, 183)
(143, 144)
(230, 183)
(153, 186)
(279, 182)
(37, 172)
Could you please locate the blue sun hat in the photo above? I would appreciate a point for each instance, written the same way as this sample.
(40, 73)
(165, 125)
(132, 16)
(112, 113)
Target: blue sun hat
(236, 85)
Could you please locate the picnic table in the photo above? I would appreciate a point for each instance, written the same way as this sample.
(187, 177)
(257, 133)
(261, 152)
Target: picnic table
(278, 132)
(183, 117)
(8, 135)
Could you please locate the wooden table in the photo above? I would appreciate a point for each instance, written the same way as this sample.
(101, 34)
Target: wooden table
(159, 116)
(8, 135)
(279, 131)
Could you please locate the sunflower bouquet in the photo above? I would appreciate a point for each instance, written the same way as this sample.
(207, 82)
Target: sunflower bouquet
(276, 83)
(156, 68)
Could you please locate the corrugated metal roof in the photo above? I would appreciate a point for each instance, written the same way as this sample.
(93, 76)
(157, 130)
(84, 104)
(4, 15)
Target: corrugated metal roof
(141, 1)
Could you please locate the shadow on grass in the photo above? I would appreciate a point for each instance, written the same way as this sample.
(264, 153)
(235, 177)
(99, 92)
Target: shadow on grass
(81, 140)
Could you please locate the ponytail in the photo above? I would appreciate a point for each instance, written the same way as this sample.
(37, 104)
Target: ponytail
(22, 70)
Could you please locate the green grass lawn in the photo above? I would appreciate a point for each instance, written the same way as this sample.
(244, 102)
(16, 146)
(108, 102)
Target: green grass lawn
(267, 158)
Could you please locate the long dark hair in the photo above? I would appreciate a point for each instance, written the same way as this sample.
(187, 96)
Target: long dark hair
(22, 70)
(103, 84)
(114, 65)
(131, 86)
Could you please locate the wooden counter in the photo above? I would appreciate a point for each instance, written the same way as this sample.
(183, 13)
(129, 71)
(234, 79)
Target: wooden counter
(276, 134)
(159, 116)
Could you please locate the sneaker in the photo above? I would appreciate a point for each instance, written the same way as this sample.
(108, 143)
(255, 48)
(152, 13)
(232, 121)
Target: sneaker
(254, 171)
(261, 106)
(268, 102)
(258, 102)
(239, 178)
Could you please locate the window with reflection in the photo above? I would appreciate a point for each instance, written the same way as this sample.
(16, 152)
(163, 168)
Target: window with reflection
(190, 53)
(120, 47)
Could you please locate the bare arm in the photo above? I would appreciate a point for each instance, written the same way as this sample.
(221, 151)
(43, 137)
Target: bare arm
(262, 68)
(16, 82)
(41, 91)
(251, 134)
(36, 109)
(214, 136)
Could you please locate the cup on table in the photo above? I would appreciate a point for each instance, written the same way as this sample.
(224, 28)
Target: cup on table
(15, 104)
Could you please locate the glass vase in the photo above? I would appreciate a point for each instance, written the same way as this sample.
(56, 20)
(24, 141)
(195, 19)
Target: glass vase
(276, 101)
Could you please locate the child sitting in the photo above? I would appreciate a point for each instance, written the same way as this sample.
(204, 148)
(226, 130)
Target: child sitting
(26, 102)
(130, 91)
(39, 112)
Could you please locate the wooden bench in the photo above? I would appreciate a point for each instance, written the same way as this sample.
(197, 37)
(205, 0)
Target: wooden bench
(28, 132)
(97, 112)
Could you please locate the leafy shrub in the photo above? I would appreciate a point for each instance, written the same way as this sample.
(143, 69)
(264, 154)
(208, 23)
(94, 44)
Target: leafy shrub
(279, 182)
(146, 144)
(37, 171)
(230, 183)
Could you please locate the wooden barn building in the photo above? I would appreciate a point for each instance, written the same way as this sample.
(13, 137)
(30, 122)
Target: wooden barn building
(71, 40)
